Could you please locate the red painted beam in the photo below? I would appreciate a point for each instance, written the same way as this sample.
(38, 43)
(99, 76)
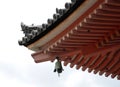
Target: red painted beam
(76, 60)
(42, 57)
(90, 62)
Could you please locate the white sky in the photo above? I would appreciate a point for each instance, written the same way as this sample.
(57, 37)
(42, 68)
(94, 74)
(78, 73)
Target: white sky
(17, 68)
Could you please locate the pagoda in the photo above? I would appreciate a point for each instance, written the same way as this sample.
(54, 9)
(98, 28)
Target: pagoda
(86, 34)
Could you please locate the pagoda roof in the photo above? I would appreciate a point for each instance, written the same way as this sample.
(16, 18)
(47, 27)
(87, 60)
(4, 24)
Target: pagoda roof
(34, 33)
(85, 34)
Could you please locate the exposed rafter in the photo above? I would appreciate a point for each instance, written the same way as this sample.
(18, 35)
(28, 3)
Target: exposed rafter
(88, 38)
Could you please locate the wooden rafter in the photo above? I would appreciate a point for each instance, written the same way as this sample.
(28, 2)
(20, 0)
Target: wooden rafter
(90, 42)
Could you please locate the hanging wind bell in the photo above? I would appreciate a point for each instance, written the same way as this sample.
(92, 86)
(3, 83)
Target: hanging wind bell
(58, 66)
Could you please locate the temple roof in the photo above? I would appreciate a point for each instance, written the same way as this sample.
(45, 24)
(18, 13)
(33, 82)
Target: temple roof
(85, 34)
(33, 33)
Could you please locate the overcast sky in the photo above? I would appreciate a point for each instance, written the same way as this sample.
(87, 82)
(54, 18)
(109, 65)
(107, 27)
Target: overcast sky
(17, 68)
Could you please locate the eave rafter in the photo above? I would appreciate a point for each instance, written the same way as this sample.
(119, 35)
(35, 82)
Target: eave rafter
(105, 60)
(91, 42)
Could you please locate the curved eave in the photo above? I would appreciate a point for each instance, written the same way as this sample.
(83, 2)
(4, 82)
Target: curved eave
(61, 15)
(92, 42)
(47, 36)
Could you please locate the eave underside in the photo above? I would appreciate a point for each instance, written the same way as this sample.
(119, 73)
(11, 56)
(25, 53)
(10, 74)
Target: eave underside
(91, 42)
